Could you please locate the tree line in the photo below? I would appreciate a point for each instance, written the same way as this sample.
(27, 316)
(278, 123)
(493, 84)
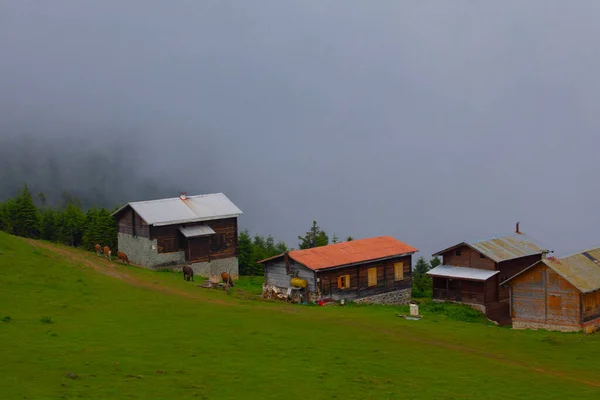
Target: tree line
(69, 224)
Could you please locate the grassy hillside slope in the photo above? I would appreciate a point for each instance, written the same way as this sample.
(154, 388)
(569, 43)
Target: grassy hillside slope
(128, 333)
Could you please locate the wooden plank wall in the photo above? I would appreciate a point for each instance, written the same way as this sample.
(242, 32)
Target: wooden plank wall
(359, 278)
(467, 258)
(541, 295)
(510, 268)
(563, 300)
(126, 223)
(275, 274)
(227, 227)
(591, 306)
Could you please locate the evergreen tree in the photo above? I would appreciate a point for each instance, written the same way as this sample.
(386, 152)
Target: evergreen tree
(71, 220)
(26, 218)
(422, 285)
(258, 253)
(48, 225)
(245, 253)
(349, 239)
(335, 239)
(315, 237)
(280, 248)
(435, 262)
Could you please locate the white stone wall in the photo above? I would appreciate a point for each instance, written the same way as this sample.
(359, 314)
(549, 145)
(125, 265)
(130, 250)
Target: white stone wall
(216, 267)
(143, 251)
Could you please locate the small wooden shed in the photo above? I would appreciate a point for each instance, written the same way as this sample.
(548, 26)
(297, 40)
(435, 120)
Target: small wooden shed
(558, 294)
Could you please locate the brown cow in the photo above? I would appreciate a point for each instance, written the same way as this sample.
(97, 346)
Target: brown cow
(188, 273)
(226, 278)
(107, 252)
(98, 250)
(122, 257)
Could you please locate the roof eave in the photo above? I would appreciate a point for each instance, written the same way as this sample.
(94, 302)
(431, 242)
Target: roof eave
(189, 221)
(466, 279)
(119, 210)
(355, 263)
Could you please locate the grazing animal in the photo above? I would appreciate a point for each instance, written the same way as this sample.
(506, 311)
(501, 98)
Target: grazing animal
(226, 278)
(123, 257)
(188, 273)
(107, 252)
(98, 250)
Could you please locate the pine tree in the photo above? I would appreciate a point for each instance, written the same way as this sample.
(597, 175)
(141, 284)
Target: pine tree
(349, 239)
(26, 218)
(422, 284)
(435, 261)
(48, 225)
(315, 237)
(335, 239)
(245, 253)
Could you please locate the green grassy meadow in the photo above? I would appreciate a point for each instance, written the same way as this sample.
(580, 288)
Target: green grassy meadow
(150, 335)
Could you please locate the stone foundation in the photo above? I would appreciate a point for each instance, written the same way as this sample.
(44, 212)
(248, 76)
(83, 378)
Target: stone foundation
(399, 297)
(216, 267)
(542, 325)
(143, 252)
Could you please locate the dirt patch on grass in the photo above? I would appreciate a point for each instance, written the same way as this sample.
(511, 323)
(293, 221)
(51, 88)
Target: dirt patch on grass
(105, 267)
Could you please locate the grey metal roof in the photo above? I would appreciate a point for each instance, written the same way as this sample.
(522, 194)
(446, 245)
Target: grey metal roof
(189, 209)
(581, 270)
(195, 231)
(503, 248)
(472, 274)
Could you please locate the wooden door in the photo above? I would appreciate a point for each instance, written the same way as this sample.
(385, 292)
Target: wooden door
(325, 288)
(198, 249)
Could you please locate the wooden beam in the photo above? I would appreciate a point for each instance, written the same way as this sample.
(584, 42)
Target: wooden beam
(357, 280)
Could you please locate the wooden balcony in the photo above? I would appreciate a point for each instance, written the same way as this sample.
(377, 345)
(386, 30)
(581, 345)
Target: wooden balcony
(460, 296)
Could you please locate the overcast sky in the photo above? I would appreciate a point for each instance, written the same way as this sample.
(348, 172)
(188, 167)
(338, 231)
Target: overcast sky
(431, 121)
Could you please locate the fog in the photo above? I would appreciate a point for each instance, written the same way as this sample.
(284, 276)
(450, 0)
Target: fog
(433, 122)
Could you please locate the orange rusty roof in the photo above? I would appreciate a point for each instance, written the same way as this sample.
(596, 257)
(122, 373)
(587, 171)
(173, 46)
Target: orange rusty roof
(355, 251)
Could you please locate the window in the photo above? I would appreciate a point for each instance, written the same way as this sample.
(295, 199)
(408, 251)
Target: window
(399, 271)
(344, 282)
(167, 245)
(372, 276)
(457, 252)
(554, 302)
(217, 242)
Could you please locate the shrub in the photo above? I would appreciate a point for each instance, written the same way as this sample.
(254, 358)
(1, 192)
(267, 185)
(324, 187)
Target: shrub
(46, 320)
(7, 319)
(457, 312)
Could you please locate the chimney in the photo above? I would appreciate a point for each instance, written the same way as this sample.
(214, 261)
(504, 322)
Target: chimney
(183, 196)
(517, 229)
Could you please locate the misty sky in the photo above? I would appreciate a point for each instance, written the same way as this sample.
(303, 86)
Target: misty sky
(433, 122)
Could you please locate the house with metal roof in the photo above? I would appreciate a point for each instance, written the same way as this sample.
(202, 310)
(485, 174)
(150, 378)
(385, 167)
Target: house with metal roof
(377, 270)
(472, 271)
(200, 231)
(558, 294)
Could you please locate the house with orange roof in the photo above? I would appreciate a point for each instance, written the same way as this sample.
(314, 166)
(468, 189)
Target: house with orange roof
(376, 270)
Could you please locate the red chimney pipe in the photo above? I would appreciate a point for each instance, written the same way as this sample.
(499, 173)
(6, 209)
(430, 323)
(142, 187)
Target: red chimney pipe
(517, 230)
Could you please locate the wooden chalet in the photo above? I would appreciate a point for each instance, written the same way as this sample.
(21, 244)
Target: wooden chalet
(375, 270)
(472, 272)
(558, 294)
(201, 231)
